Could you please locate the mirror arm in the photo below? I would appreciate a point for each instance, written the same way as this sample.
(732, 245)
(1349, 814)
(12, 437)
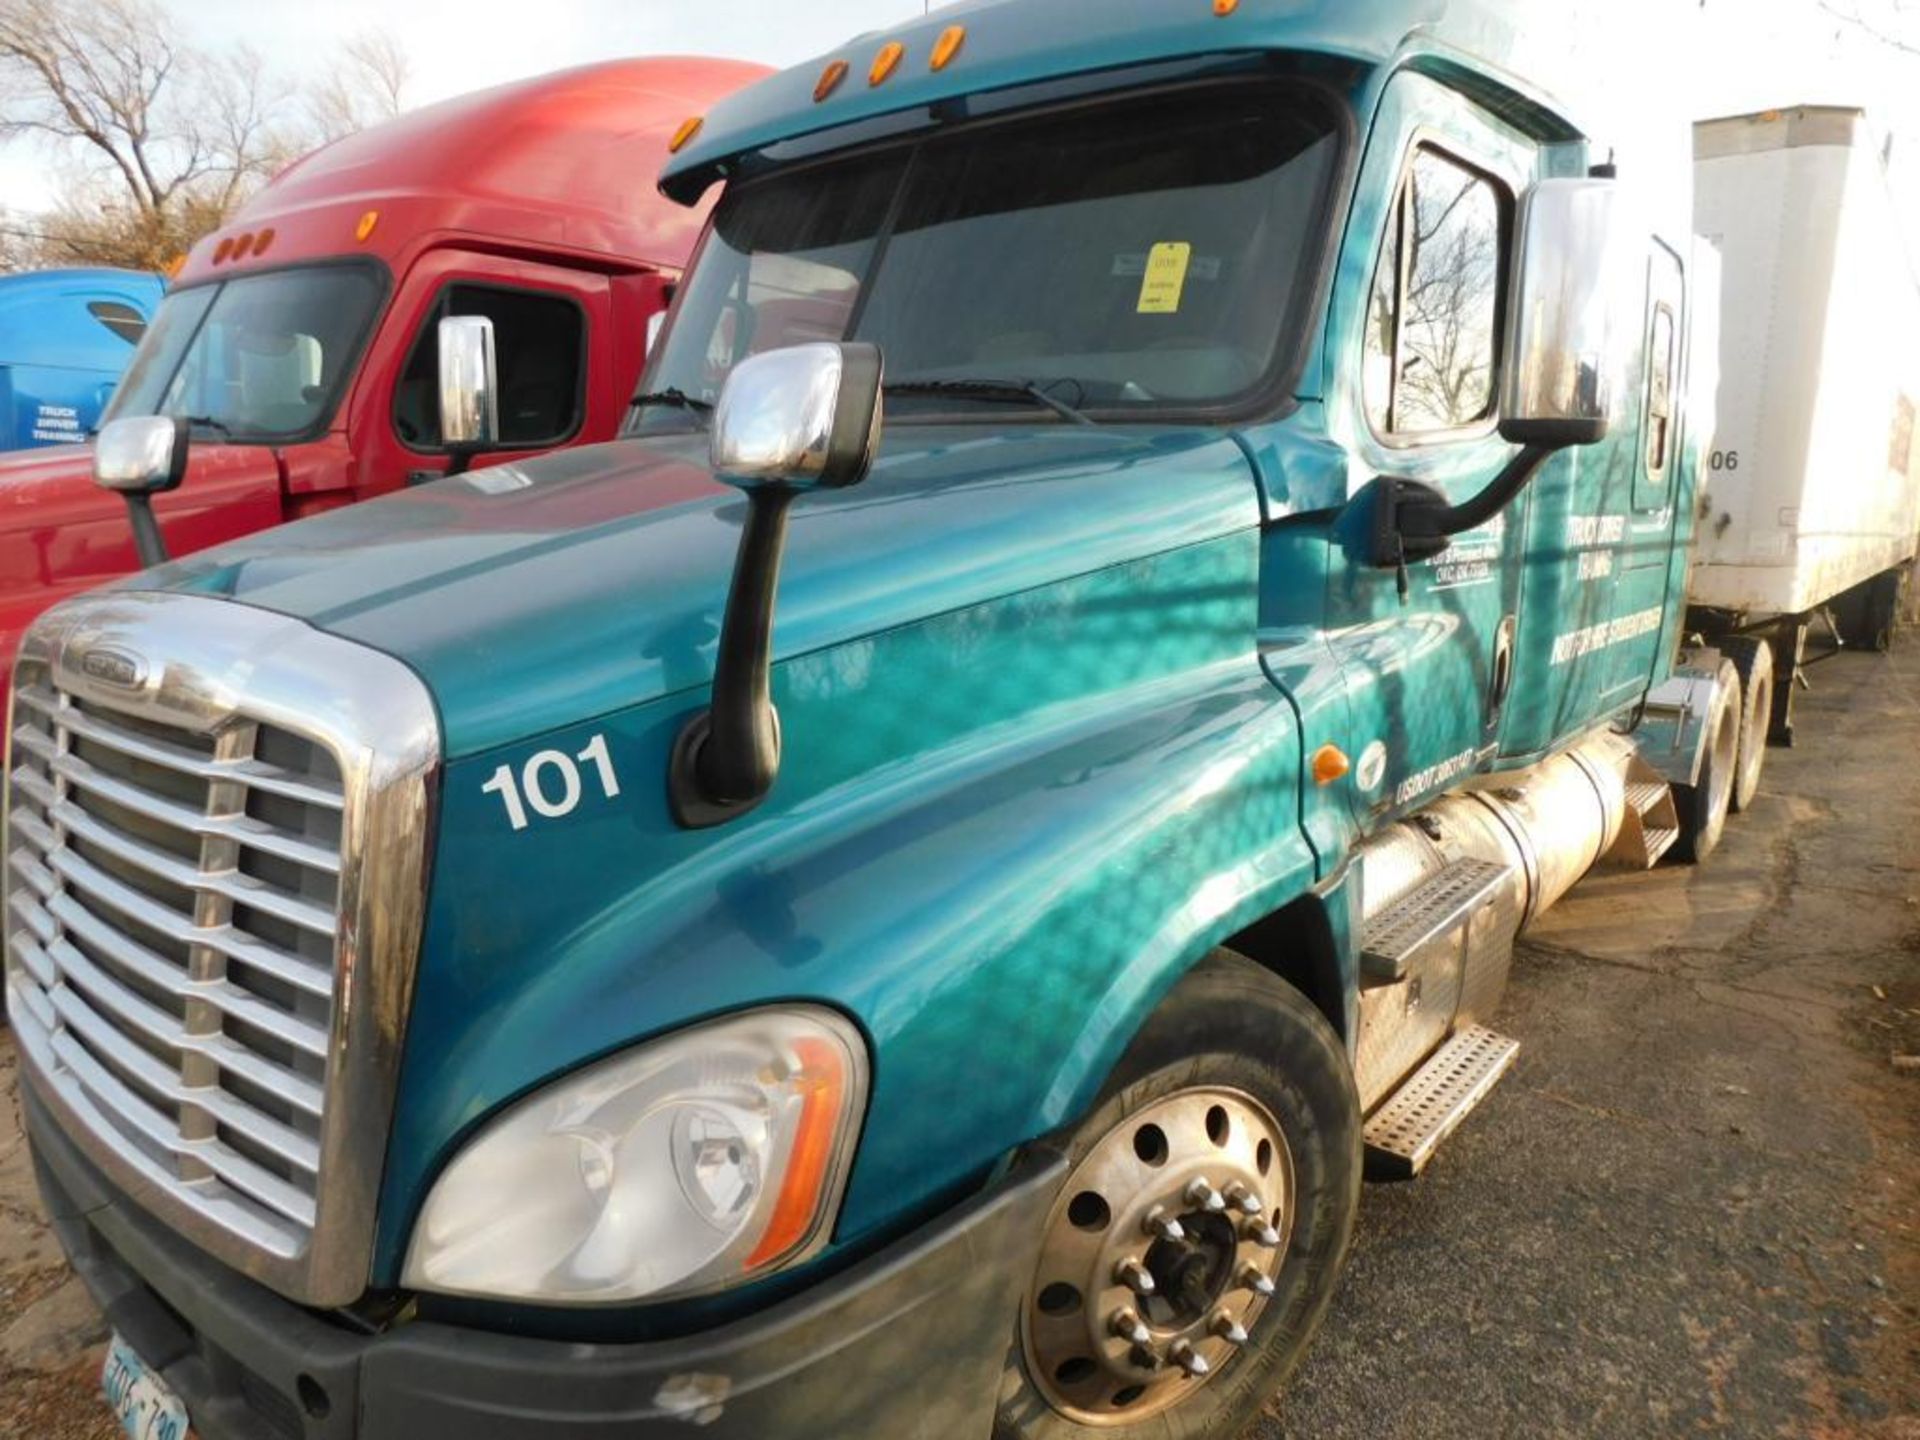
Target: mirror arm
(725, 759)
(1498, 493)
(148, 543)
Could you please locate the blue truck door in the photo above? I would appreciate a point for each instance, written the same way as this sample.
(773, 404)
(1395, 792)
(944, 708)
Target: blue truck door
(1412, 379)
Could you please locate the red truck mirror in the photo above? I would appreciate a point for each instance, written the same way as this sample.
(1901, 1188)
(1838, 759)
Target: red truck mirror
(142, 456)
(469, 388)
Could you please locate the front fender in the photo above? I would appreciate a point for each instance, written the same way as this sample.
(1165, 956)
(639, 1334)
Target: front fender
(1001, 834)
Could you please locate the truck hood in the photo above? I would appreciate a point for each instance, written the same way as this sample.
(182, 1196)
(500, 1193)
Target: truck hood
(61, 532)
(537, 595)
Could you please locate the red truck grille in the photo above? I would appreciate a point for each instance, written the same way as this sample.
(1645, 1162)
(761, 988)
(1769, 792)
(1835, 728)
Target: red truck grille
(173, 908)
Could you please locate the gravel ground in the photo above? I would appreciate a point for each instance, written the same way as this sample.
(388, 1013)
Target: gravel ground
(1692, 1208)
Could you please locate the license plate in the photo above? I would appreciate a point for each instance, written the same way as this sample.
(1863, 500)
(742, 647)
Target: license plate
(144, 1404)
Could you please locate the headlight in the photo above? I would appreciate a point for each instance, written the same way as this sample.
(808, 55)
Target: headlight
(685, 1165)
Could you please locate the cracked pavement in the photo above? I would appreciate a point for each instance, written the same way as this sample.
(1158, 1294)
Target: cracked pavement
(1692, 1208)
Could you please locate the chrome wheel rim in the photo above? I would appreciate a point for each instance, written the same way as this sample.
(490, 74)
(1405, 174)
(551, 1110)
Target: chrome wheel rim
(1160, 1255)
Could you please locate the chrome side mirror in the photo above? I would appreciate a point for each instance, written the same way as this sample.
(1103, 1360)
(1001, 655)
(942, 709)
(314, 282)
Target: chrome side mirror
(142, 456)
(469, 385)
(1558, 384)
(788, 421)
(802, 418)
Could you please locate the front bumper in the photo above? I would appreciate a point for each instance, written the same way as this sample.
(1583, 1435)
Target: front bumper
(906, 1345)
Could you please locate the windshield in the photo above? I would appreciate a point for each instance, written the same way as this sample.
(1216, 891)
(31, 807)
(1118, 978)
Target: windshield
(260, 357)
(1139, 256)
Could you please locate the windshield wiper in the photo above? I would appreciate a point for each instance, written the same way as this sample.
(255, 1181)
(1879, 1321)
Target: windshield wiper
(991, 390)
(673, 396)
(207, 422)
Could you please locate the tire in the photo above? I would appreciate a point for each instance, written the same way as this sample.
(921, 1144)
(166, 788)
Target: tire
(1232, 1032)
(1868, 616)
(1753, 662)
(1703, 805)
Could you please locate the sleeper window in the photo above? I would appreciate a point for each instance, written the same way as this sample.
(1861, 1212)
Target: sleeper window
(1433, 314)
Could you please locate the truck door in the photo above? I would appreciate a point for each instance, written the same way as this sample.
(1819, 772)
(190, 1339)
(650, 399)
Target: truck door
(553, 340)
(1427, 674)
(1599, 532)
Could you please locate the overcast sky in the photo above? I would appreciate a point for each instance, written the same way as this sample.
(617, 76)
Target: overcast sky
(1700, 57)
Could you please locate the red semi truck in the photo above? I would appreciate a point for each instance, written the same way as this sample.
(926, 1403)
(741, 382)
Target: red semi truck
(301, 339)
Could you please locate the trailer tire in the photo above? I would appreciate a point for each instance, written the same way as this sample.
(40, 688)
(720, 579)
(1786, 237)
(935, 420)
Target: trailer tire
(1753, 661)
(1868, 616)
(1703, 805)
(1233, 1039)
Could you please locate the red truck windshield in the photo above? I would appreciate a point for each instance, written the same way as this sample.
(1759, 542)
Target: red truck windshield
(259, 358)
(1138, 256)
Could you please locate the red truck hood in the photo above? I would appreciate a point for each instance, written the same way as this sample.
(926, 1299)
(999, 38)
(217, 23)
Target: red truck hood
(60, 533)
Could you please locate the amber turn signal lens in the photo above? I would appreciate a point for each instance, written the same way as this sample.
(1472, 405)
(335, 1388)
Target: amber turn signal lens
(948, 46)
(830, 79)
(365, 227)
(1330, 763)
(886, 62)
(689, 128)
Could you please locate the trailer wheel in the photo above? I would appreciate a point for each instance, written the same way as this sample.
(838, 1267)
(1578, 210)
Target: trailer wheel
(1753, 662)
(1703, 805)
(1191, 1253)
(1868, 615)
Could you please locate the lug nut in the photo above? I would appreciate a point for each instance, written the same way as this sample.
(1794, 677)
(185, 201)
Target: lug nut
(1261, 1233)
(1257, 1280)
(1159, 1223)
(1244, 1200)
(1229, 1329)
(1129, 1328)
(1189, 1359)
(1206, 1197)
(1135, 1276)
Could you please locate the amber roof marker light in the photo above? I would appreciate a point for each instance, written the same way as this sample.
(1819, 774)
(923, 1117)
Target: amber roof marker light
(829, 81)
(886, 62)
(1225, 7)
(947, 46)
(689, 128)
(365, 227)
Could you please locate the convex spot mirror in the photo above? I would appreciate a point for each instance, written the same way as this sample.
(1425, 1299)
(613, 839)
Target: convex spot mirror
(805, 417)
(1558, 383)
(469, 384)
(141, 454)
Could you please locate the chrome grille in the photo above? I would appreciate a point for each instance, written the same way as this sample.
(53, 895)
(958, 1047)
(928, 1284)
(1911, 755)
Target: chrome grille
(216, 839)
(175, 910)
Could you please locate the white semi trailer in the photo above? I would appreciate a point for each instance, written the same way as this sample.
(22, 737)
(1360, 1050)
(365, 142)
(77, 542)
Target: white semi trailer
(1810, 502)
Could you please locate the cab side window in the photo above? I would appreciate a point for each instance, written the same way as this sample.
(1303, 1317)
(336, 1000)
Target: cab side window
(1433, 313)
(540, 344)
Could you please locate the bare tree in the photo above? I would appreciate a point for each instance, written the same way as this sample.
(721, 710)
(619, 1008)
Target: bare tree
(365, 85)
(1851, 14)
(173, 139)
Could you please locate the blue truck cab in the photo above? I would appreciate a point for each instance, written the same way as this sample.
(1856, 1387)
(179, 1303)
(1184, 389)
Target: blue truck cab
(65, 336)
(902, 896)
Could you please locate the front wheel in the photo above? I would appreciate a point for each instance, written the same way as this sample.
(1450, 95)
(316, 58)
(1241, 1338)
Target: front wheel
(1191, 1253)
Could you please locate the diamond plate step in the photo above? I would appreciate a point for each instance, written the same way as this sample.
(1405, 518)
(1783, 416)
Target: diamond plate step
(1651, 825)
(1442, 902)
(1408, 1127)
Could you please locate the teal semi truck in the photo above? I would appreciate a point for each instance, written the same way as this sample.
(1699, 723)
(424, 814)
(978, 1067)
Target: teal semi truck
(903, 896)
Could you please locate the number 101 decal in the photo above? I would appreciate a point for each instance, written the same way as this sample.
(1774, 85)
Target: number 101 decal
(549, 783)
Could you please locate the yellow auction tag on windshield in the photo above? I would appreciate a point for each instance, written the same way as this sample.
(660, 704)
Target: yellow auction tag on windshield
(1166, 277)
